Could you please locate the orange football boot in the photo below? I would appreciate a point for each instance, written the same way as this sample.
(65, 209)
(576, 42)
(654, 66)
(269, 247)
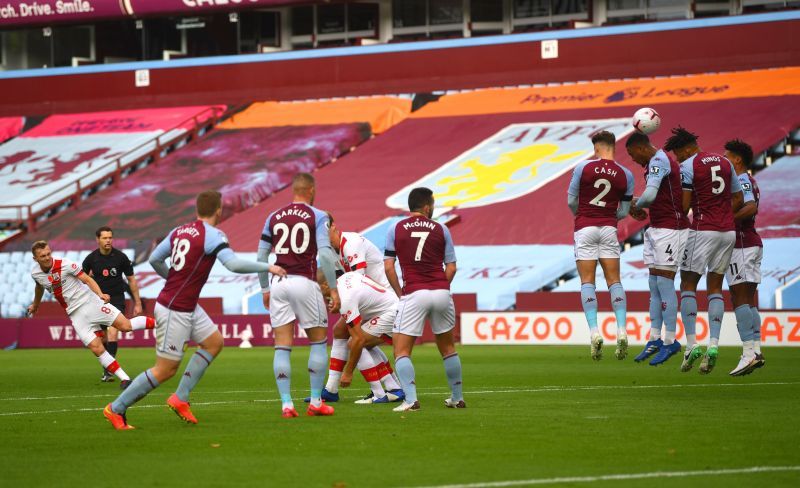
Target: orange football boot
(323, 410)
(181, 409)
(118, 421)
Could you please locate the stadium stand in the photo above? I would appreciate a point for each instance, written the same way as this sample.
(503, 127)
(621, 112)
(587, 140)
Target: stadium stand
(67, 157)
(778, 214)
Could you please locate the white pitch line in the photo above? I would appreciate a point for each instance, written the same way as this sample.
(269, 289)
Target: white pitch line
(619, 477)
(428, 393)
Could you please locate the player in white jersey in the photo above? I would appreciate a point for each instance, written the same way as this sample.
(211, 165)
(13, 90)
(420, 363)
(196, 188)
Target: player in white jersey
(359, 255)
(85, 304)
(369, 311)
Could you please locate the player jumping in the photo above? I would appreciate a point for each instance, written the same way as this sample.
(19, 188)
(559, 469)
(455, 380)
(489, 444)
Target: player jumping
(599, 195)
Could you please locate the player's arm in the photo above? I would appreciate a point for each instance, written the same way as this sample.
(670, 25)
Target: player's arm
(389, 257)
(574, 190)
(687, 183)
(449, 255)
(38, 293)
(657, 170)
(159, 256)
(92, 284)
(327, 257)
(746, 211)
(739, 196)
(624, 207)
(357, 343)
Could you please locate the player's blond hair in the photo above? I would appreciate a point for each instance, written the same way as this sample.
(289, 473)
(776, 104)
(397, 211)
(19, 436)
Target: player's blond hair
(38, 245)
(302, 182)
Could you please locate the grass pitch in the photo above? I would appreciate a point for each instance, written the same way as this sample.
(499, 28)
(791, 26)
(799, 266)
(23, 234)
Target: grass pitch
(536, 415)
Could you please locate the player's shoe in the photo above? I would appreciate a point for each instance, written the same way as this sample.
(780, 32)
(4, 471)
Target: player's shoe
(622, 347)
(107, 377)
(397, 395)
(119, 422)
(370, 399)
(321, 411)
(650, 348)
(709, 360)
(597, 347)
(407, 407)
(451, 404)
(746, 366)
(666, 352)
(760, 361)
(326, 397)
(690, 356)
(181, 409)
(289, 413)
(124, 384)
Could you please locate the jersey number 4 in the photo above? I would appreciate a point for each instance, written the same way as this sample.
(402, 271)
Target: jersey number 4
(285, 234)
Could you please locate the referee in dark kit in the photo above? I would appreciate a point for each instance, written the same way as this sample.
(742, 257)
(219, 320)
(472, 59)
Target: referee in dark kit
(106, 265)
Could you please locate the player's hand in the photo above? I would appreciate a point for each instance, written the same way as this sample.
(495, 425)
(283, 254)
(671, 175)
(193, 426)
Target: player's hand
(106, 298)
(346, 380)
(32, 310)
(137, 308)
(277, 271)
(265, 298)
(637, 213)
(335, 303)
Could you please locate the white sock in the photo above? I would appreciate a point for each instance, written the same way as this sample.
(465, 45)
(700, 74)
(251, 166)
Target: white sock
(371, 371)
(389, 380)
(339, 354)
(691, 340)
(141, 322)
(714, 341)
(669, 337)
(655, 334)
(111, 364)
(757, 347)
(748, 349)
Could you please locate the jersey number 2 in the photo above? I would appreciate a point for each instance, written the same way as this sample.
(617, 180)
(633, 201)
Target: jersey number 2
(598, 200)
(179, 249)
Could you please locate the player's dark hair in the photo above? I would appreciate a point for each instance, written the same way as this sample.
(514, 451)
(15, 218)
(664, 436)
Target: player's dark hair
(38, 245)
(741, 149)
(419, 197)
(208, 202)
(637, 139)
(604, 137)
(102, 229)
(680, 138)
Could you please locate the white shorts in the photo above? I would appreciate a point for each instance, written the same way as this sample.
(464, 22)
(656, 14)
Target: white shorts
(592, 243)
(174, 329)
(745, 266)
(708, 250)
(89, 318)
(297, 297)
(414, 309)
(381, 325)
(664, 247)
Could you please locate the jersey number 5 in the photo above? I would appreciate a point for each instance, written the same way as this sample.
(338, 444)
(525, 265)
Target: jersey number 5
(284, 234)
(179, 249)
(422, 236)
(715, 179)
(598, 200)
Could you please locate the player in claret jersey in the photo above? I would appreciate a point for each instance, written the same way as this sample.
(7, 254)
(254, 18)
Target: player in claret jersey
(599, 194)
(663, 241)
(84, 303)
(428, 262)
(297, 233)
(712, 191)
(192, 248)
(744, 272)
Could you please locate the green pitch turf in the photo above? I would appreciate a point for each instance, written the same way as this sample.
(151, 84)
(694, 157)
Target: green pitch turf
(534, 413)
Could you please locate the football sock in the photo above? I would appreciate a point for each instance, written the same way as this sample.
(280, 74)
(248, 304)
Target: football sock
(656, 318)
(756, 329)
(317, 359)
(689, 317)
(619, 305)
(405, 371)
(669, 305)
(339, 354)
(589, 302)
(282, 367)
(452, 366)
(112, 348)
(389, 379)
(138, 389)
(112, 366)
(371, 369)
(141, 322)
(716, 309)
(194, 371)
(744, 322)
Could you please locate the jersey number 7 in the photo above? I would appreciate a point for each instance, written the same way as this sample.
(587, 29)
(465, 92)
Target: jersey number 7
(422, 236)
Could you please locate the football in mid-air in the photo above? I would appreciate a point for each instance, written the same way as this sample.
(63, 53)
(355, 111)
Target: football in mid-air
(646, 120)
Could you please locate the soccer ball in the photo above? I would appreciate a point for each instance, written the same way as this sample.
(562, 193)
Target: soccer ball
(646, 120)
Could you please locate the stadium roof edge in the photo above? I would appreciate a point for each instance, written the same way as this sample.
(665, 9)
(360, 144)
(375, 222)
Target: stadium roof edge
(409, 46)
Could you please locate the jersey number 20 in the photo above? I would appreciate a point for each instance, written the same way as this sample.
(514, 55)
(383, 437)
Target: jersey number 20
(284, 233)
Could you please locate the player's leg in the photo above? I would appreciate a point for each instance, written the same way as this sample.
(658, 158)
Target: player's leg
(693, 264)
(408, 324)
(587, 251)
(123, 324)
(312, 316)
(370, 369)
(389, 379)
(283, 317)
(619, 302)
(112, 338)
(107, 377)
(106, 360)
(147, 381)
(339, 355)
(665, 281)
(740, 289)
(88, 320)
(754, 257)
(443, 322)
(721, 245)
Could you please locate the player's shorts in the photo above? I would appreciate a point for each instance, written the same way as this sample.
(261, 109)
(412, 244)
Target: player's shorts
(174, 329)
(664, 247)
(592, 243)
(297, 297)
(414, 309)
(745, 265)
(91, 318)
(119, 302)
(708, 250)
(381, 325)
